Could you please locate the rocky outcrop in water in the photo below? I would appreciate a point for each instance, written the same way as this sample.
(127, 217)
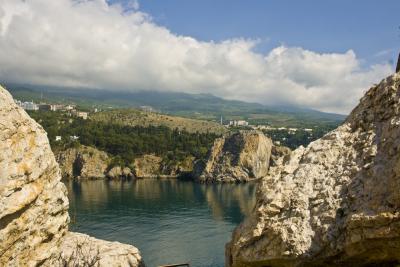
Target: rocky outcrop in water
(118, 172)
(239, 157)
(147, 166)
(83, 162)
(335, 202)
(33, 202)
(152, 166)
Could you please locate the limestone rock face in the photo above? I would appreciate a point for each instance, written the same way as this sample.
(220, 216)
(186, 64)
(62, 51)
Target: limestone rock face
(279, 154)
(335, 202)
(240, 157)
(147, 166)
(33, 202)
(152, 166)
(83, 162)
(99, 252)
(118, 172)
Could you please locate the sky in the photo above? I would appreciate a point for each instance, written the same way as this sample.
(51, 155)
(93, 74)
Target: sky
(316, 54)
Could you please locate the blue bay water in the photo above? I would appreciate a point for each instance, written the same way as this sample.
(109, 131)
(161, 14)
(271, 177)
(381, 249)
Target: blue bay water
(170, 221)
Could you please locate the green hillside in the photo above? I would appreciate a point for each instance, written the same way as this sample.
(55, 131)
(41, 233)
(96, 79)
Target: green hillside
(133, 117)
(196, 106)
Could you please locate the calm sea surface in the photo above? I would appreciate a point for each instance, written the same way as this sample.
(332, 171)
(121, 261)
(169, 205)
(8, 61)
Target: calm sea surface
(170, 221)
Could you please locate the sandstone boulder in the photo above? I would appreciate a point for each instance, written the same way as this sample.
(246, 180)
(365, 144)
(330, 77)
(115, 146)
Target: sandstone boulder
(335, 202)
(239, 157)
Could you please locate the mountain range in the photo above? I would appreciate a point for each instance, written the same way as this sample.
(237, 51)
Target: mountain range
(199, 106)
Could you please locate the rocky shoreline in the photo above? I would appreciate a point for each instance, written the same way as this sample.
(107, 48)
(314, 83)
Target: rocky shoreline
(89, 163)
(242, 156)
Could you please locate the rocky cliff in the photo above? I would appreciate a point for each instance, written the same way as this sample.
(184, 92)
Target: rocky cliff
(147, 166)
(83, 162)
(335, 202)
(33, 202)
(239, 157)
(152, 166)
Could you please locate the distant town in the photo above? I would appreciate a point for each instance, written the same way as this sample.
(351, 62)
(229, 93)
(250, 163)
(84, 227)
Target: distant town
(289, 136)
(71, 109)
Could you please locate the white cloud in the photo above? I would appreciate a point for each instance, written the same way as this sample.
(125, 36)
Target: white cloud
(93, 44)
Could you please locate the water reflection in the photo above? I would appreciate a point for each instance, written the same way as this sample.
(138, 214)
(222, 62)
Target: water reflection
(168, 220)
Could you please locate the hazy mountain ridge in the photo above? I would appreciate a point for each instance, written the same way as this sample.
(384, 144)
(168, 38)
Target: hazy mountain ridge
(201, 106)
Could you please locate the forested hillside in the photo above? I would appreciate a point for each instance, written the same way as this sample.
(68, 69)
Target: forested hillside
(123, 142)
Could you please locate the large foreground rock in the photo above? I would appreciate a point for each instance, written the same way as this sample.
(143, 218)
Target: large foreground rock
(33, 202)
(336, 202)
(240, 157)
(83, 250)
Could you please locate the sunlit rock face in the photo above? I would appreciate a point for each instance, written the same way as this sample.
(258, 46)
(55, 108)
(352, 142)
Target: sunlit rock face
(100, 252)
(240, 157)
(335, 202)
(83, 162)
(33, 202)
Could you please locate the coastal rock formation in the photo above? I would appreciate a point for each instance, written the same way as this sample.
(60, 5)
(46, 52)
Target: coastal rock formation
(33, 202)
(239, 157)
(152, 166)
(118, 172)
(335, 202)
(147, 166)
(83, 250)
(178, 168)
(83, 162)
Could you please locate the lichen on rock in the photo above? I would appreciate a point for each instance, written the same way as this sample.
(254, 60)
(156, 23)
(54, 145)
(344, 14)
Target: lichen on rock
(335, 202)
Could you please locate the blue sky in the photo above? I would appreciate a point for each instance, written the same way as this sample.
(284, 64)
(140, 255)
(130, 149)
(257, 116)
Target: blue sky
(369, 27)
(316, 54)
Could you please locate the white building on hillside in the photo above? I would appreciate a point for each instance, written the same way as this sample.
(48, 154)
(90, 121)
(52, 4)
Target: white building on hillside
(81, 114)
(238, 123)
(27, 105)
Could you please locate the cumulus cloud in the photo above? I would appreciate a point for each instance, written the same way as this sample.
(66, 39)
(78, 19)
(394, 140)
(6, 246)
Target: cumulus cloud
(91, 43)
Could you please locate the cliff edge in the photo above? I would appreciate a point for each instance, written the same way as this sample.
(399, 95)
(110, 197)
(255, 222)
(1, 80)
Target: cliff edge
(335, 202)
(34, 205)
(239, 157)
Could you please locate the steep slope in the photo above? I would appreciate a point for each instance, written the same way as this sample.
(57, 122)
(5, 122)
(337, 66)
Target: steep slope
(239, 157)
(335, 202)
(34, 205)
(83, 162)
